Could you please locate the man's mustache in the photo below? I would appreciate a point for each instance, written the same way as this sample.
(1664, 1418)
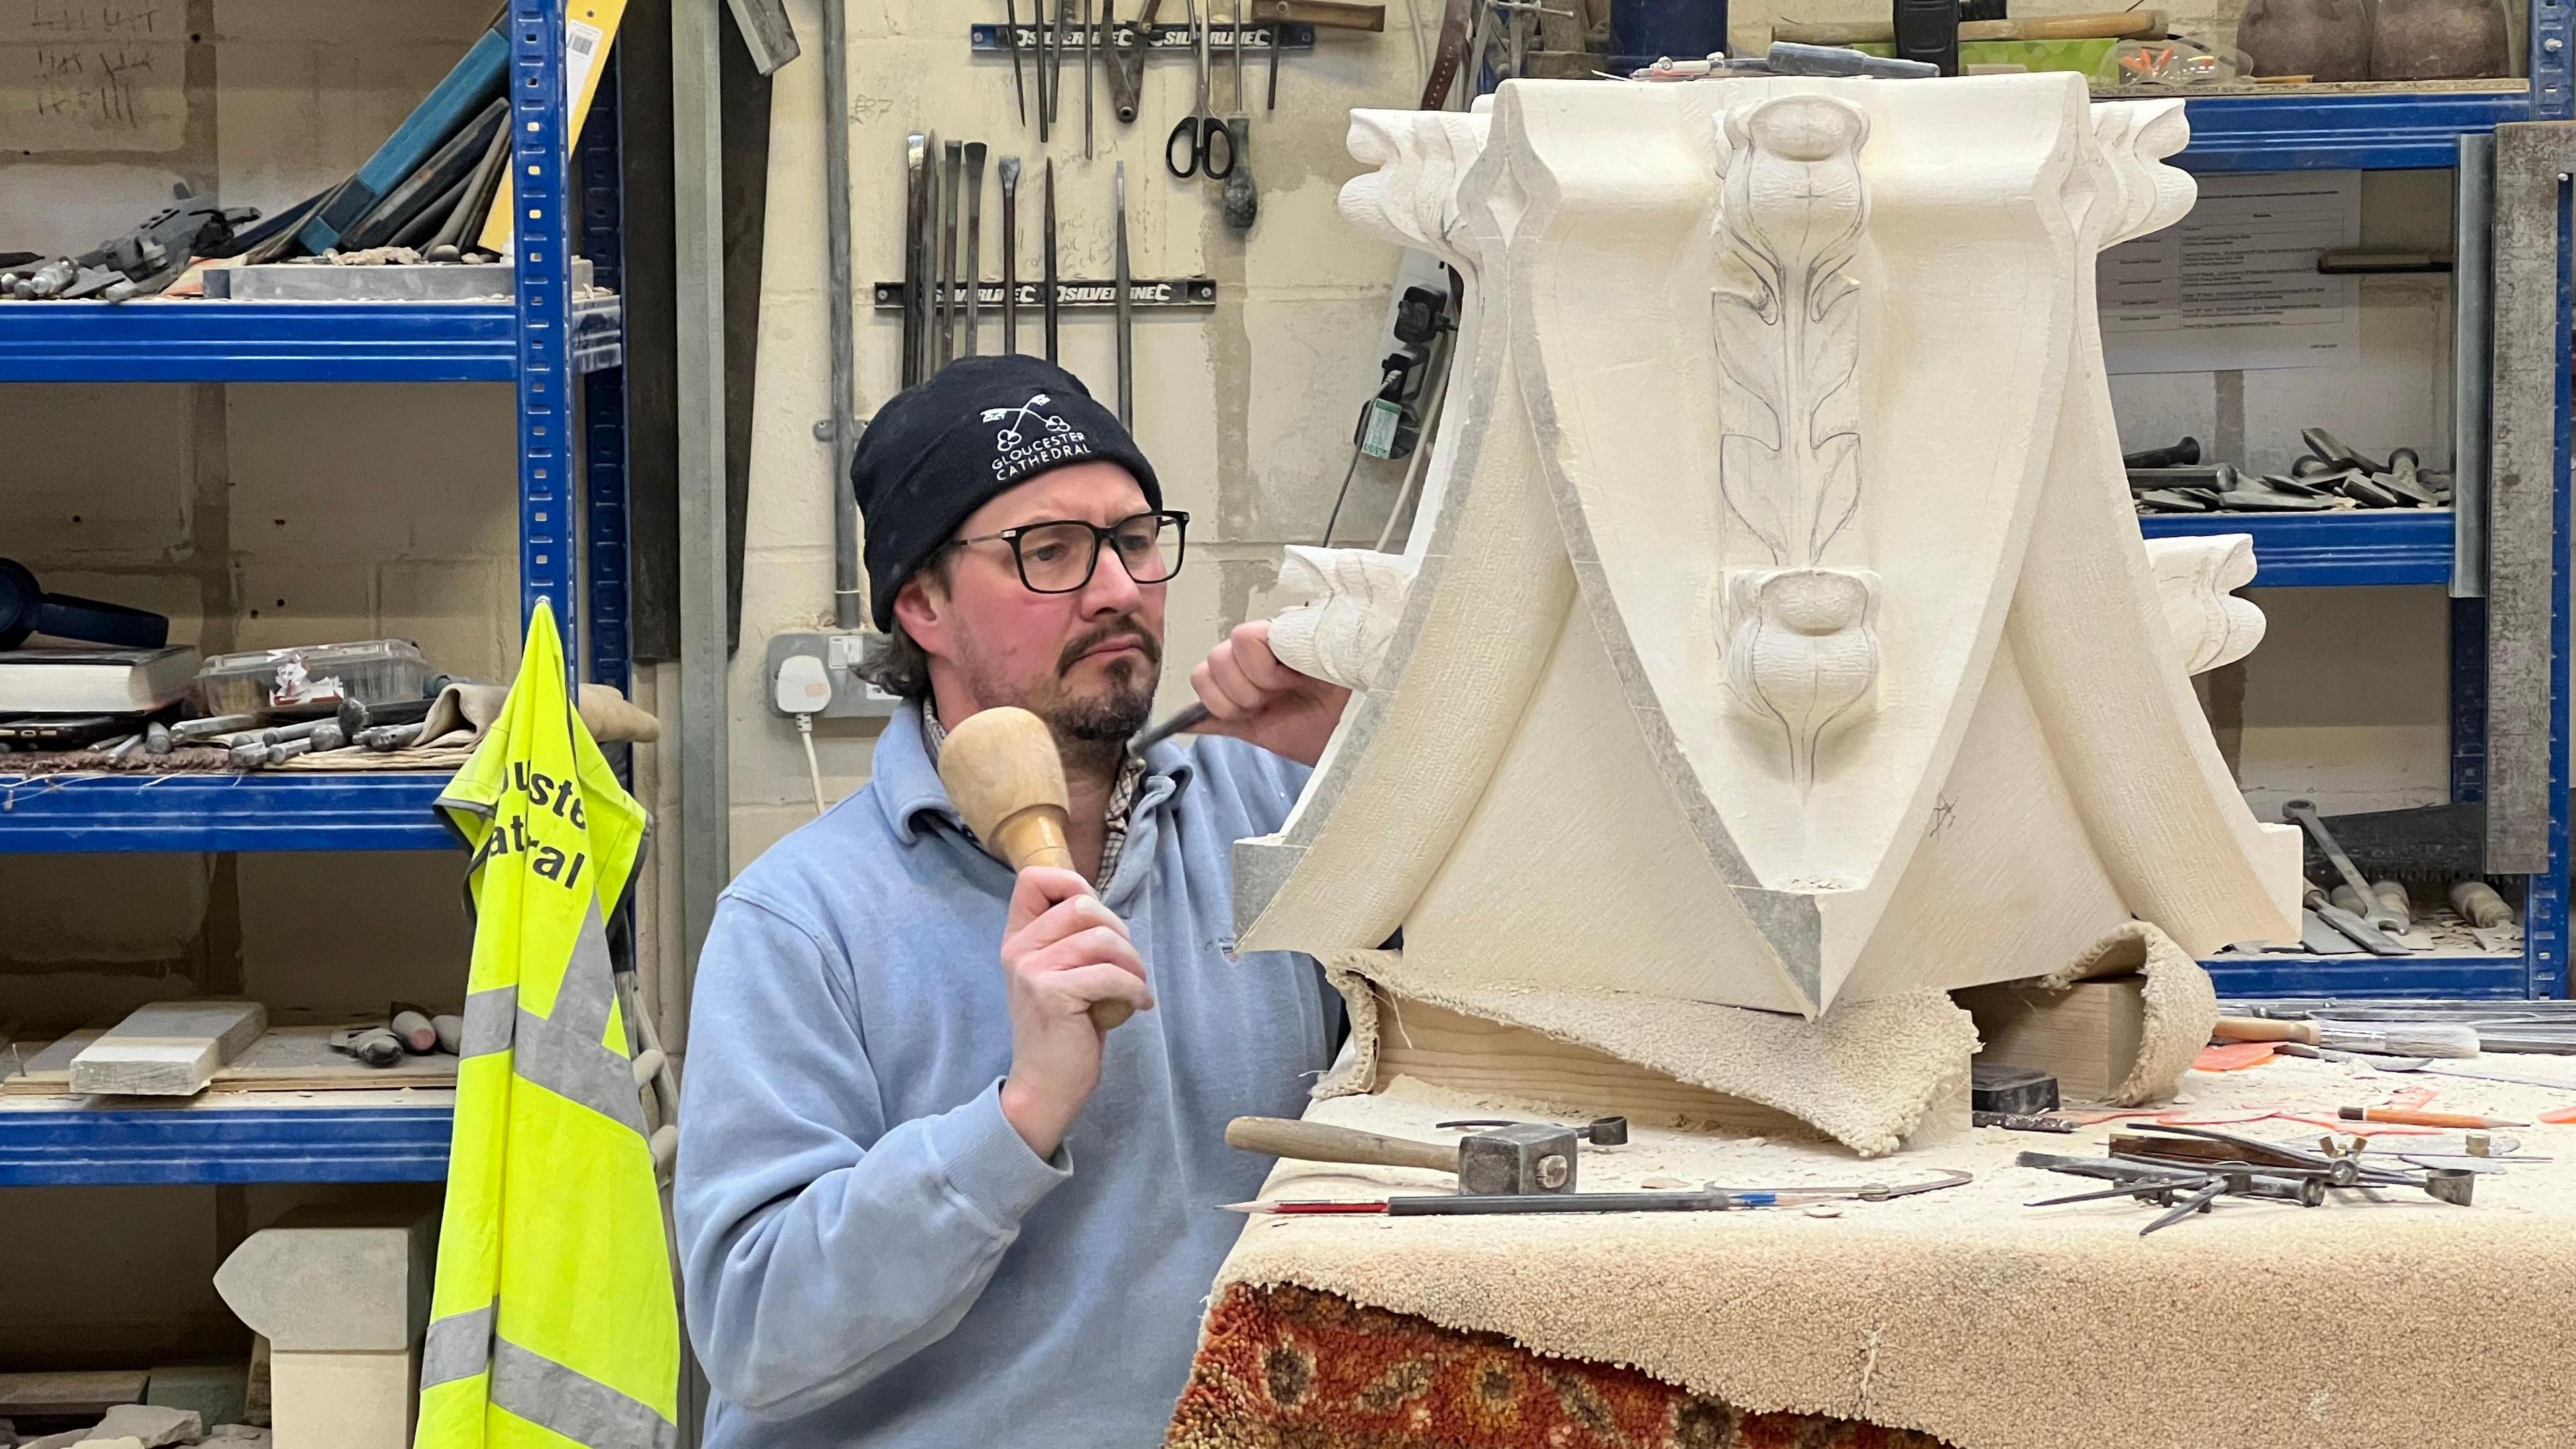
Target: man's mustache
(1122, 629)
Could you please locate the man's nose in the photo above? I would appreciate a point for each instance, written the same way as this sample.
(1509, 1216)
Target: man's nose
(1112, 589)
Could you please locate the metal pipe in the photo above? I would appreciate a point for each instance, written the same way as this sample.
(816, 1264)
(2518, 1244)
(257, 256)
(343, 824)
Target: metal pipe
(697, 231)
(2472, 316)
(846, 602)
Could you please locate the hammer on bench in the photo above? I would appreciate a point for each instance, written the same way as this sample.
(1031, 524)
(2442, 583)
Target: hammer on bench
(1521, 1158)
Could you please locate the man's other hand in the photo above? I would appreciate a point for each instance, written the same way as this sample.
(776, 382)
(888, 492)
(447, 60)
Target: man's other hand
(1250, 695)
(1062, 950)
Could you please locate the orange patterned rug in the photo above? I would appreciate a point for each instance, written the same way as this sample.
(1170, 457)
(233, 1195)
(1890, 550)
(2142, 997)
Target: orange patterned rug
(1290, 1368)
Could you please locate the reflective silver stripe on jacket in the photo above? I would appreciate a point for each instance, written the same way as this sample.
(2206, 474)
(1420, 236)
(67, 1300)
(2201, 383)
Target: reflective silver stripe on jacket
(565, 1053)
(574, 1405)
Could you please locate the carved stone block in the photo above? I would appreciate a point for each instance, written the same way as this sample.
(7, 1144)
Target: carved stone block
(1778, 630)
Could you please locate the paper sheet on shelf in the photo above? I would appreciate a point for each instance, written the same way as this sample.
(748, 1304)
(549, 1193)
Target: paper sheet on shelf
(2234, 285)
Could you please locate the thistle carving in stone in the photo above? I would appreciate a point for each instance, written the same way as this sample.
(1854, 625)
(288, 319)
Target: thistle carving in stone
(1801, 639)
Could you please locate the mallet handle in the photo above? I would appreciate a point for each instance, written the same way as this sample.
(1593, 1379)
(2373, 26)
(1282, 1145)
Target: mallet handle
(1035, 836)
(1317, 1142)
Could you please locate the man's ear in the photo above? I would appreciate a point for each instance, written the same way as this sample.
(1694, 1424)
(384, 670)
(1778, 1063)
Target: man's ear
(920, 608)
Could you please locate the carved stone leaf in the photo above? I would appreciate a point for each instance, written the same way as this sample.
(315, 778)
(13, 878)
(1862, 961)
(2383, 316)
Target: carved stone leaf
(1785, 315)
(1833, 426)
(1752, 474)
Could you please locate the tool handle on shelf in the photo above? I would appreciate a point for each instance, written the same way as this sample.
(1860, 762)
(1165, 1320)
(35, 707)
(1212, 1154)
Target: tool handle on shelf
(2416, 1117)
(2255, 1028)
(1317, 1142)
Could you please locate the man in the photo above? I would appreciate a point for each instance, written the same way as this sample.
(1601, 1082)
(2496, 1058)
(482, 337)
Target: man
(922, 1201)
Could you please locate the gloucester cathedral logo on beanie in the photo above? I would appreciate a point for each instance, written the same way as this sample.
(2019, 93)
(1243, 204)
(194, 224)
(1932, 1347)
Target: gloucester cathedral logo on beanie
(943, 447)
(1030, 439)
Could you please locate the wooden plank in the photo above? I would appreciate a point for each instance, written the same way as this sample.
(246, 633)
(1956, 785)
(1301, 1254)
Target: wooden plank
(1327, 14)
(1450, 1049)
(2086, 1035)
(2112, 25)
(69, 1395)
(167, 1049)
(2523, 484)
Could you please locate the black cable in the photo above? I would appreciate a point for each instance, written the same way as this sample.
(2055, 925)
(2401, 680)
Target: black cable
(1344, 492)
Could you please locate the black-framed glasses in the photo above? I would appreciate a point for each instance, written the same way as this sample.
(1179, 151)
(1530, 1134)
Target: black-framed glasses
(1059, 555)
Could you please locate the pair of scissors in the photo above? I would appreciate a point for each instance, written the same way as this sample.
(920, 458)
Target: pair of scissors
(1200, 144)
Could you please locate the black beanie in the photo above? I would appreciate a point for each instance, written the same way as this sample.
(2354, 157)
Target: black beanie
(941, 449)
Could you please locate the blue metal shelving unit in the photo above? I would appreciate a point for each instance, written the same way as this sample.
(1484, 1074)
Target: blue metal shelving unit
(2329, 550)
(200, 341)
(566, 360)
(258, 812)
(2395, 131)
(223, 1143)
(2373, 131)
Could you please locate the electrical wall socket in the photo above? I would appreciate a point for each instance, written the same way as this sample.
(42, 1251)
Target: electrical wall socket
(841, 652)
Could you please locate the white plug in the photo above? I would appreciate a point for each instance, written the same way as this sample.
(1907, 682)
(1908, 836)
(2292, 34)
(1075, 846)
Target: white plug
(803, 690)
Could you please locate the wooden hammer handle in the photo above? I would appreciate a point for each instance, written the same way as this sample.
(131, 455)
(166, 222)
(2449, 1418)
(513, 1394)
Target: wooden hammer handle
(1035, 836)
(2255, 1028)
(1317, 1142)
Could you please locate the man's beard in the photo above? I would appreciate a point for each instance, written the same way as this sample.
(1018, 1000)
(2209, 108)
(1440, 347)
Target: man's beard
(1091, 728)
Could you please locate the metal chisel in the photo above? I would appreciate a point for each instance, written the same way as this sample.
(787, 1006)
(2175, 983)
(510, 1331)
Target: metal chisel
(1055, 79)
(1019, 81)
(1010, 254)
(1188, 719)
(915, 199)
(925, 299)
(1049, 299)
(1126, 341)
(974, 245)
(951, 182)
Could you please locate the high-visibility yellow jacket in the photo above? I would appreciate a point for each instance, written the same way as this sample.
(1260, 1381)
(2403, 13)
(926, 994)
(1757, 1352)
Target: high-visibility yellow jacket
(552, 1321)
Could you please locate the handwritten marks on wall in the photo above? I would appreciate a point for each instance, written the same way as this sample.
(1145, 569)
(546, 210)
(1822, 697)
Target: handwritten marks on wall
(92, 75)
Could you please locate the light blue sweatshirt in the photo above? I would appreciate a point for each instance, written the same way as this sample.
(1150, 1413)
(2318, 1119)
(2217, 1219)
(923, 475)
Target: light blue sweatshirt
(872, 1255)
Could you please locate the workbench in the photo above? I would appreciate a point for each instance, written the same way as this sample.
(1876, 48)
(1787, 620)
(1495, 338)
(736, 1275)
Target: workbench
(1961, 1314)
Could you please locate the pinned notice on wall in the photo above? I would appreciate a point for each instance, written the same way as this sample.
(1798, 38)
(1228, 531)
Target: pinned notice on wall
(2234, 285)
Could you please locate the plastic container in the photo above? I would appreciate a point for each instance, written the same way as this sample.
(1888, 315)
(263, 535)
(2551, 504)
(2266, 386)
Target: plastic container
(312, 680)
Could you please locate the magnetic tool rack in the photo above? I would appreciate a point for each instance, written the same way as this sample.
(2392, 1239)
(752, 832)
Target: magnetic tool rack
(1174, 41)
(2501, 553)
(566, 360)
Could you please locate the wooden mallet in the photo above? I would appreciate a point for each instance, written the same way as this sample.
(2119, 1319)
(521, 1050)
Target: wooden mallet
(1006, 779)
